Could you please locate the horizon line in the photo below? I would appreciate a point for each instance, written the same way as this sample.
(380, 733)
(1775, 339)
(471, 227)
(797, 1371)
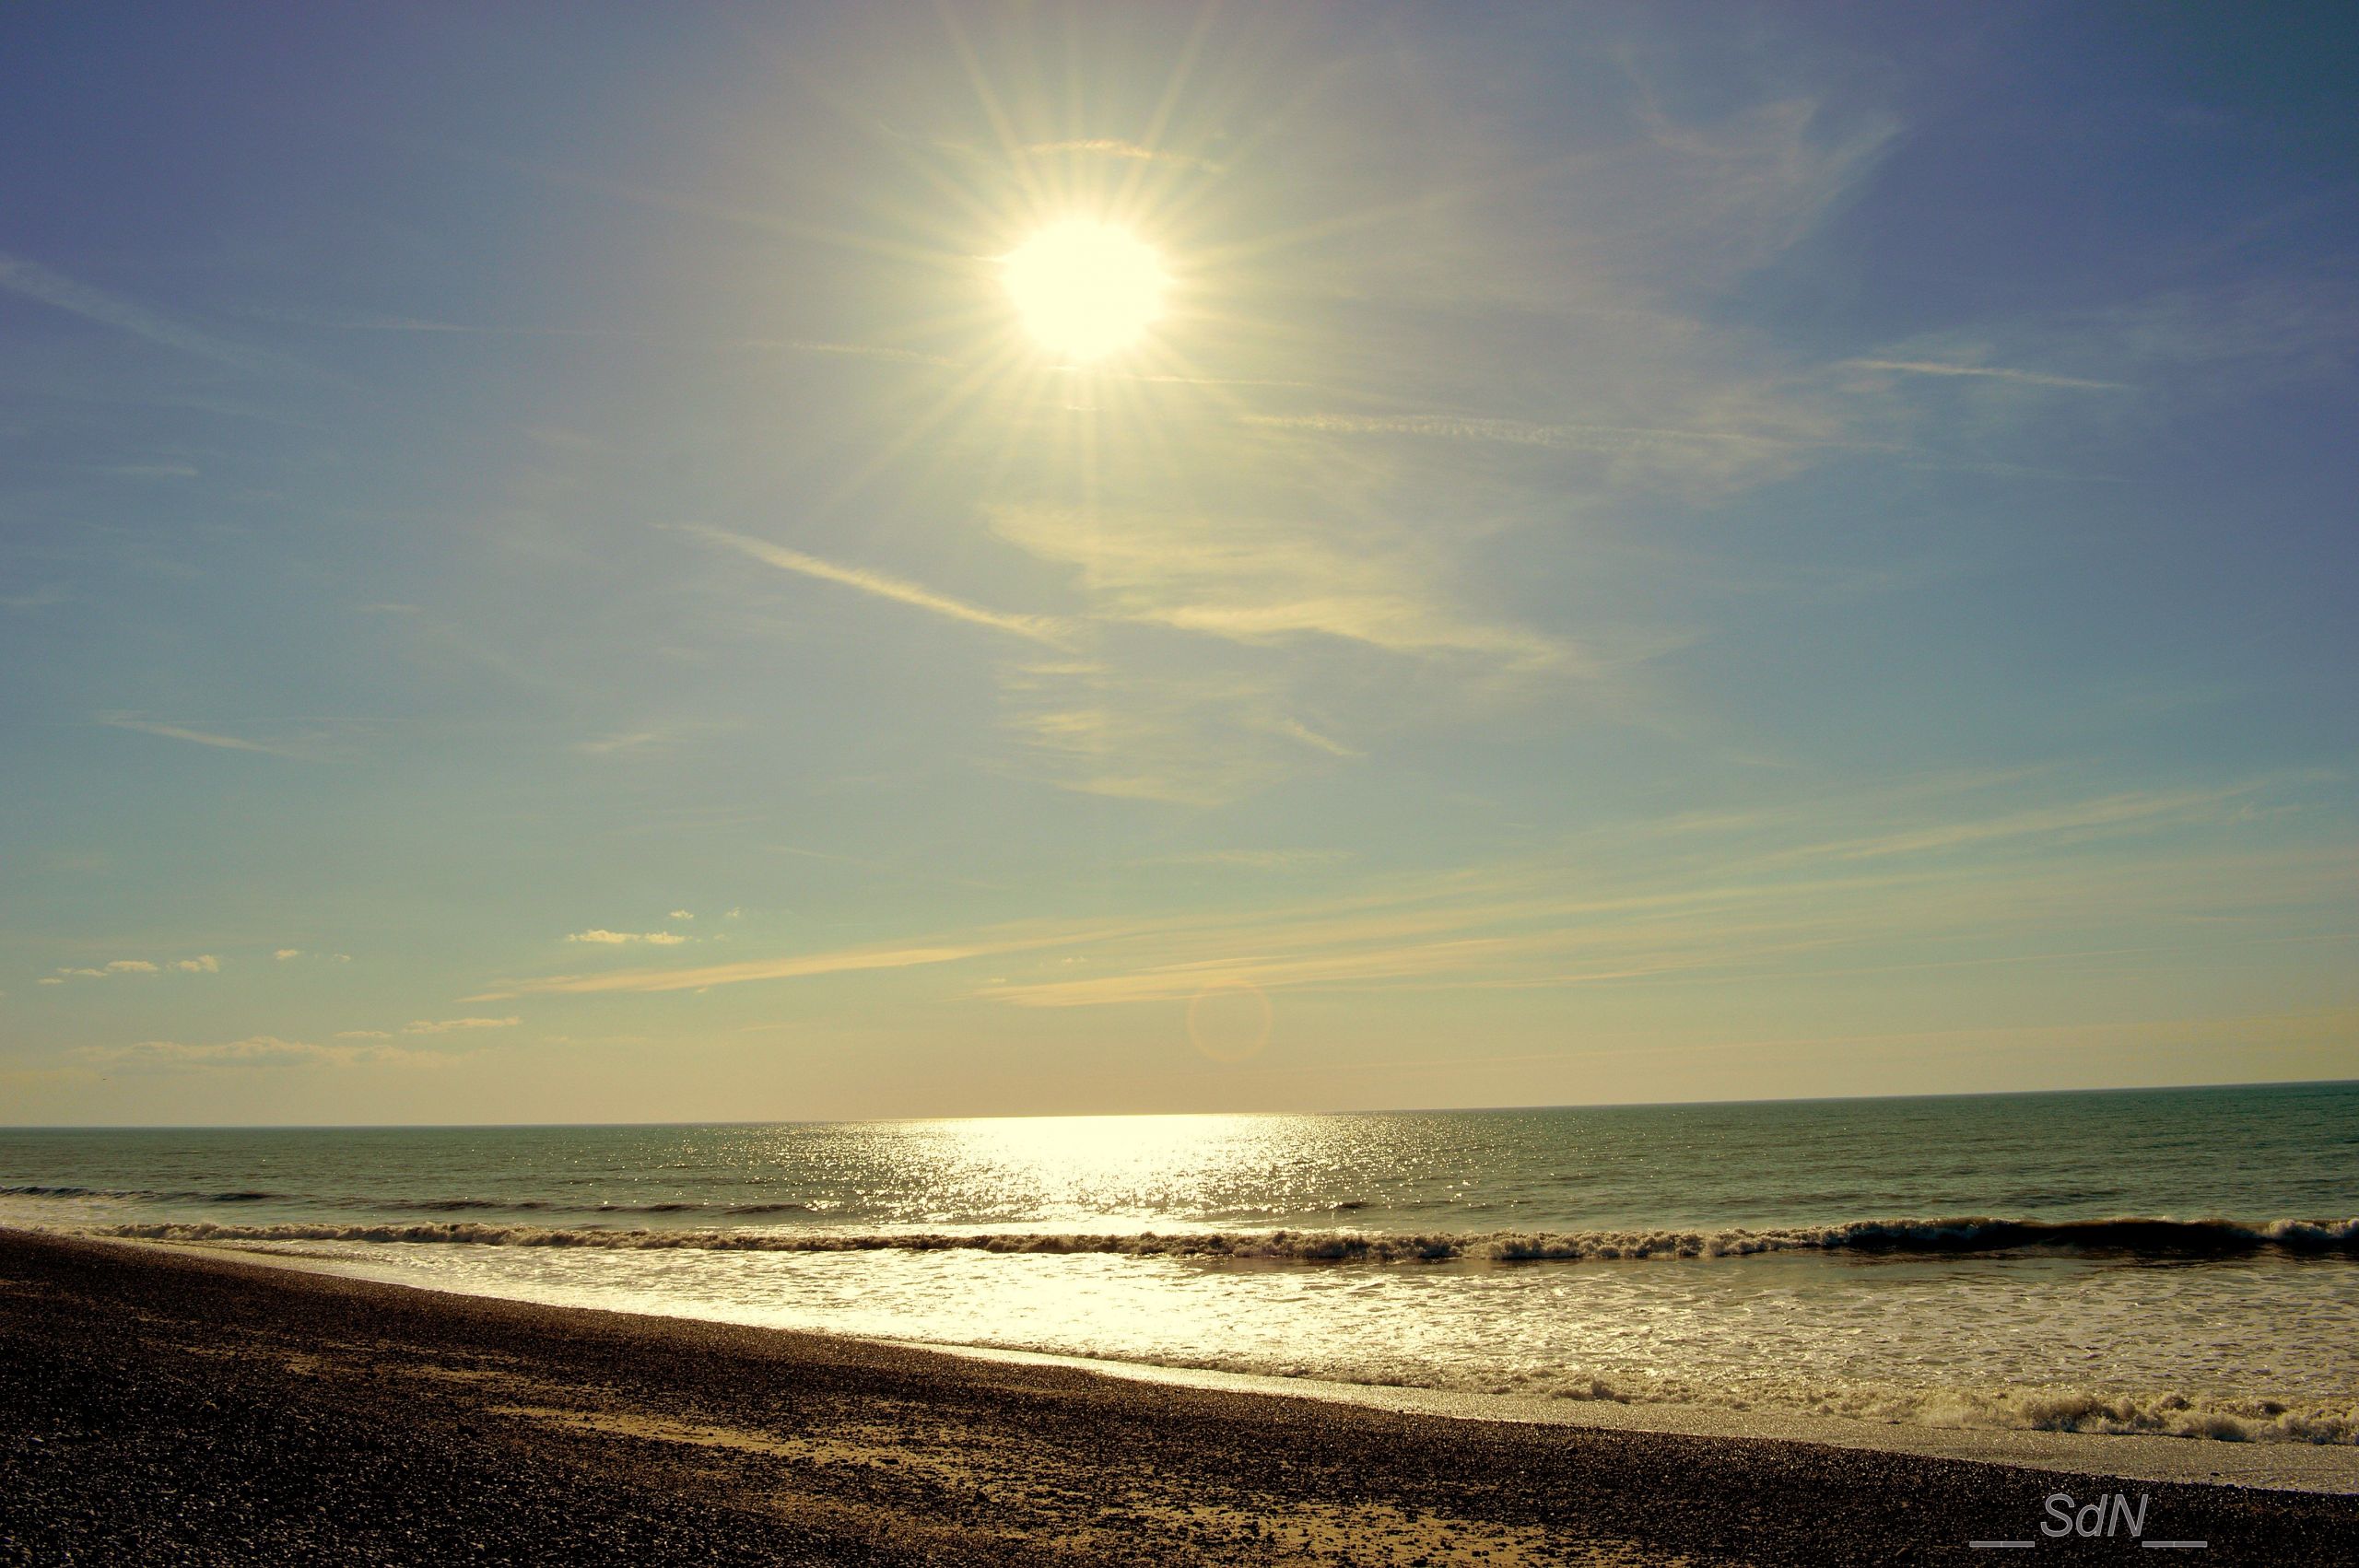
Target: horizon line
(1073, 1116)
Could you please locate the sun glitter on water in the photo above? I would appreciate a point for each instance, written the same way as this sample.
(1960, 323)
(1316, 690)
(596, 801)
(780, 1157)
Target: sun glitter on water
(1085, 289)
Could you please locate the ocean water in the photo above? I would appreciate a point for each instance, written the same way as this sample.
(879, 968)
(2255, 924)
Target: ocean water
(2176, 1262)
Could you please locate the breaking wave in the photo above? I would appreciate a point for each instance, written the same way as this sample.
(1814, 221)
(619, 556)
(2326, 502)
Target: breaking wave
(2162, 1238)
(2226, 1419)
(2157, 1413)
(150, 1196)
(407, 1205)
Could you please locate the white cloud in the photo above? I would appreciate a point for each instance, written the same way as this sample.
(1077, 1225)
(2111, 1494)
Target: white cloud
(38, 599)
(451, 1026)
(1038, 628)
(181, 732)
(1940, 874)
(658, 741)
(1199, 741)
(793, 967)
(363, 1034)
(600, 937)
(1295, 729)
(1317, 629)
(253, 1051)
(36, 282)
(883, 352)
(202, 964)
(287, 953)
(1656, 456)
(1256, 860)
(1260, 580)
(1110, 146)
(620, 741)
(681, 915)
(1994, 372)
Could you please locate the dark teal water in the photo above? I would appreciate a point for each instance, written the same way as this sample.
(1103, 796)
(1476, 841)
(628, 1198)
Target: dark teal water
(2182, 1261)
(2250, 1155)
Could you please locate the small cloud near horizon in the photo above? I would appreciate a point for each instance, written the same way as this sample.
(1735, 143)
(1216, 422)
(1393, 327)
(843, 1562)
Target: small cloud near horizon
(202, 964)
(255, 1050)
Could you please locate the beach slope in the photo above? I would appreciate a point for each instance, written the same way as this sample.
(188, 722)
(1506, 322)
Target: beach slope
(158, 1406)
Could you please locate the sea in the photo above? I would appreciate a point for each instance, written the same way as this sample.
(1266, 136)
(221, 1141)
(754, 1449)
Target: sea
(2175, 1261)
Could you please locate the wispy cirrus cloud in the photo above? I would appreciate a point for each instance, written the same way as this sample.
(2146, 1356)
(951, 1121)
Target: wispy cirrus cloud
(623, 741)
(253, 1051)
(453, 1025)
(196, 737)
(802, 966)
(1330, 608)
(1704, 437)
(32, 281)
(430, 327)
(1511, 935)
(658, 740)
(1256, 860)
(1114, 146)
(1991, 372)
(900, 591)
(1609, 439)
(2132, 809)
(40, 598)
(1104, 726)
(884, 353)
(600, 937)
(1098, 729)
(2173, 348)
(1258, 581)
(1710, 900)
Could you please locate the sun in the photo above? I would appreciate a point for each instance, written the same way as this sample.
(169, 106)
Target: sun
(1085, 288)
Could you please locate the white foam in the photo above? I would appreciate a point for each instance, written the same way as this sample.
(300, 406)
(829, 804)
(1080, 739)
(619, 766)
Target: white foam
(2132, 1235)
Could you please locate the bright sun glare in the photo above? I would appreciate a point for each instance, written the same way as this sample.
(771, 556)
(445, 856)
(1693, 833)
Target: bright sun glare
(1086, 289)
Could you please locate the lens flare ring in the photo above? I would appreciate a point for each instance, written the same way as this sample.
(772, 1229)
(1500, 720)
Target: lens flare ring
(1229, 1020)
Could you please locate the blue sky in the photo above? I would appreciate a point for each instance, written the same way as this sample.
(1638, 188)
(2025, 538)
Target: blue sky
(1651, 554)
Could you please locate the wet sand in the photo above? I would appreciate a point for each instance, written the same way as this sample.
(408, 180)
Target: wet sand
(159, 1407)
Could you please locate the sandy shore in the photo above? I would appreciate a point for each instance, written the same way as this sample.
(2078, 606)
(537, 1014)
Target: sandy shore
(157, 1406)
